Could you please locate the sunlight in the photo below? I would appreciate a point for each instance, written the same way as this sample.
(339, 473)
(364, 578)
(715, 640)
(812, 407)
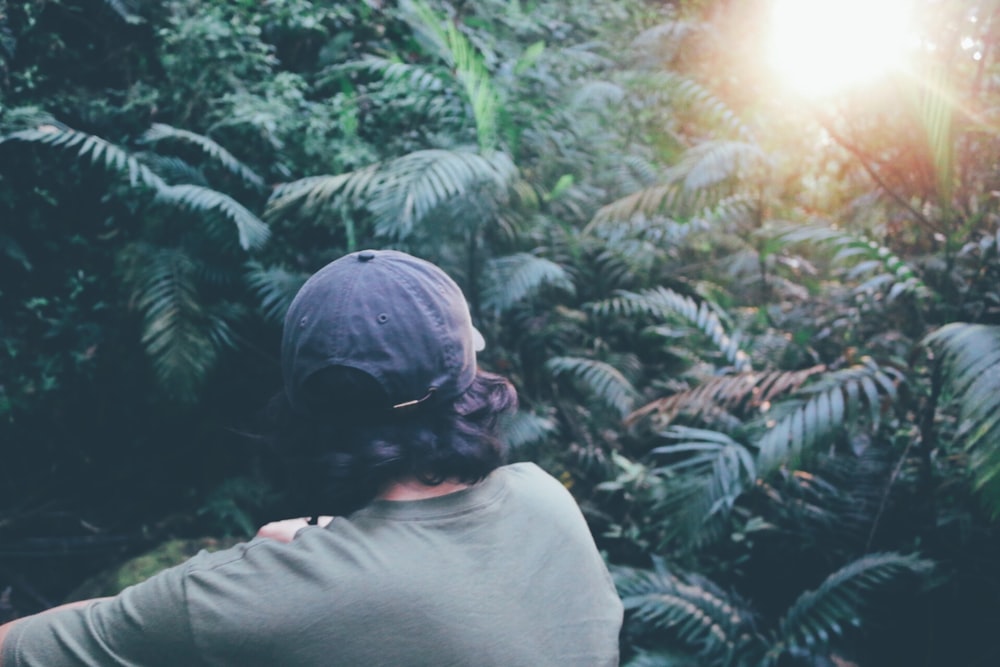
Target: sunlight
(823, 46)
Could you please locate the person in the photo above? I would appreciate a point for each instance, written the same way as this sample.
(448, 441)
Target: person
(434, 552)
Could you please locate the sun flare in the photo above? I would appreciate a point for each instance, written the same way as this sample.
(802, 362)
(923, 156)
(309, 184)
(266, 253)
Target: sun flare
(823, 46)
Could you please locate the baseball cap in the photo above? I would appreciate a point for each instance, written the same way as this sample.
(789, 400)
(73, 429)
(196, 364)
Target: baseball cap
(396, 317)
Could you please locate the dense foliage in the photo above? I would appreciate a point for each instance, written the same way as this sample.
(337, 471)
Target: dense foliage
(758, 338)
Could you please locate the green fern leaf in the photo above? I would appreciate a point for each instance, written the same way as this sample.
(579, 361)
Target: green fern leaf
(522, 428)
(707, 472)
(819, 615)
(695, 613)
(970, 361)
(410, 187)
(175, 327)
(275, 287)
(823, 409)
(160, 132)
(253, 232)
(97, 150)
(468, 65)
(892, 274)
(601, 379)
(661, 302)
(513, 278)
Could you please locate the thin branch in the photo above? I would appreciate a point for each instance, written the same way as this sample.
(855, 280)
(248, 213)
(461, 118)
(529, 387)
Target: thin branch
(866, 161)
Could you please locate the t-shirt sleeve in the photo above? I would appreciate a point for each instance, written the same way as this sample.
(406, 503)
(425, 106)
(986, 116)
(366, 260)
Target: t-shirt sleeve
(146, 624)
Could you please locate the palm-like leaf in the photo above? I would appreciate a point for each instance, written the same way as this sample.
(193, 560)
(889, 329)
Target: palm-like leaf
(707, 472)
(661, 302)
(742, 392)
(275, 287)
(601, 379)
(402, 192)
(97, 150)
(820, 615)
(161, 132)
(696, 614)
(523, 428)
(842, 397)
(176, 331)
(871, 258)
(253, 232)
(412, 186)
(468, 65)
(970, 359)
(515, 277)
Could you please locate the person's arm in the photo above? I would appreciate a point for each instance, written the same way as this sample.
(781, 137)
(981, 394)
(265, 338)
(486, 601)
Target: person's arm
(5, 628)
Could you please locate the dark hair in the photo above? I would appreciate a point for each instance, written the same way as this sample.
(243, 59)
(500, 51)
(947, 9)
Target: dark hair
(341, 451)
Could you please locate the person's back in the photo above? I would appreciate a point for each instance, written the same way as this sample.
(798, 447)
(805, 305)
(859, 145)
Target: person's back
(439, 555)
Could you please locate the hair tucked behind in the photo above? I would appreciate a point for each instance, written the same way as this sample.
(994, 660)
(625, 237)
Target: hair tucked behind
(341, 451)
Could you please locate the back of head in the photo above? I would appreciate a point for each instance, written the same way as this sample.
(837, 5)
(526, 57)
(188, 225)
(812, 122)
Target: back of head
(381, 382)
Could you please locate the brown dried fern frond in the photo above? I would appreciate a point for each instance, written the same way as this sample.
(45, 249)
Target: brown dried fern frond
(736, 393)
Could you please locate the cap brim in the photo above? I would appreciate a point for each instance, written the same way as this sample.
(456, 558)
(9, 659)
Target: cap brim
(478, 342)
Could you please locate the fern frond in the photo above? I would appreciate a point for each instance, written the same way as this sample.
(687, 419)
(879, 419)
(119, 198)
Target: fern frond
(515, 277)
(468, 65)
(92, 147)
(275, 287)
(709, 163)
(412, 186)
(253, 232)
(970, 363)
(739, 392)
(601, 379)
(160, 132)
(837, 399)
(707, 472)
(315, 194)
(693, 611)
(890, 270)
(175, 326)
(663, 303)
(522, 428)
(820, 615)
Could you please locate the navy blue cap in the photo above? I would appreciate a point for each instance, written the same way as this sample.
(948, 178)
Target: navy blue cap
(394, 316)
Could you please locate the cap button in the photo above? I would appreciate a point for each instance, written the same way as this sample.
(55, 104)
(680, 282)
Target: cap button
(366, 255)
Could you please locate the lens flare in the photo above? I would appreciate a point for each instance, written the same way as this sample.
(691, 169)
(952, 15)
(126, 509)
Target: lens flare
(823, 46)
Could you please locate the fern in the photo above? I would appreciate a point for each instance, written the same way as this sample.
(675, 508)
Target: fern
(253, 232)
(820, 615)
(161, 132)
(175, 332)
(275, 287)
(891, 270)
(412, 186)
(603, 380)
(699, 618)
(970, 363)
(710, 163)
(522, 428)
(468, 65)
(515, 277)
(840, 398)
(399, 193)
(97, 150)
(740, 392)
(707, 472)
(661, 302)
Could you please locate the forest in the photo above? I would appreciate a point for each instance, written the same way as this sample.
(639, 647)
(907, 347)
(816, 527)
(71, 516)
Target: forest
(749, 297)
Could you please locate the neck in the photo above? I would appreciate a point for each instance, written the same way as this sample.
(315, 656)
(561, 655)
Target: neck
(411, 488)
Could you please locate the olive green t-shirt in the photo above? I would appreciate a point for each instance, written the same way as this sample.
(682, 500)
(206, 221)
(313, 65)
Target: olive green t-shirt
(504, 573)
